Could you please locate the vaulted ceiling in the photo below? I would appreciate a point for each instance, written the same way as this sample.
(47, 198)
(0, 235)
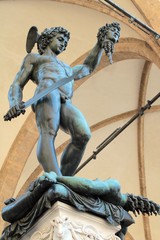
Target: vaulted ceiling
(108, 98)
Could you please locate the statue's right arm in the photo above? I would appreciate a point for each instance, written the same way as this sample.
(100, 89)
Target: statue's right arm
(15, 94)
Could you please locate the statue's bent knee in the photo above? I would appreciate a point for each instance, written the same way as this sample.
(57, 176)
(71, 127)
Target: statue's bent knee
(82, 140)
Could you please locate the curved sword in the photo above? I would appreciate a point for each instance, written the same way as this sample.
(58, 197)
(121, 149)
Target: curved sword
(45, 92)
(48, 90)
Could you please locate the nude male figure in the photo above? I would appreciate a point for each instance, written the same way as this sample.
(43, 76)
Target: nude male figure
(56, 109)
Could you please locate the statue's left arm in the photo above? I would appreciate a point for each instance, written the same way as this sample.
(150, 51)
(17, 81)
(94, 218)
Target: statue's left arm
(90, 63)
(107, 36)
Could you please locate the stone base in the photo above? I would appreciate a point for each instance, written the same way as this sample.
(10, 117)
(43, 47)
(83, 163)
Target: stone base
(63, 222)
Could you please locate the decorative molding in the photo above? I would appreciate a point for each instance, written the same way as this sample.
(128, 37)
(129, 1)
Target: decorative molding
(62, 228)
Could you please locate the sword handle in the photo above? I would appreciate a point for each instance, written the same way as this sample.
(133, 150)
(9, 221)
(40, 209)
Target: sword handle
(14, 112)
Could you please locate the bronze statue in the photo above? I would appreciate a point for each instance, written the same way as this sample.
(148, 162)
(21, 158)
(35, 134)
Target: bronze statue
(56, 110)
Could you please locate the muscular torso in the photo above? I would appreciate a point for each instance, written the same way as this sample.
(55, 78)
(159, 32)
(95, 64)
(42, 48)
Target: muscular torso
(48, 69)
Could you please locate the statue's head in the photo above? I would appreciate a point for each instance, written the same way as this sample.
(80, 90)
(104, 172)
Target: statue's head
(44, 39)
(47, 36)
(107, 36)
(109, 31)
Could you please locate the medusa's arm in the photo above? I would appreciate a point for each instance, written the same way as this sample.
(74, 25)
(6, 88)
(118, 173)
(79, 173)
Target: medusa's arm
(84, 185)
(108, 190)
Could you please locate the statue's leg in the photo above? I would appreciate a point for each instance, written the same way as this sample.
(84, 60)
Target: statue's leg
(16, 209)
(73, 122)
(48, 117)
(20, 207)
(43, 186)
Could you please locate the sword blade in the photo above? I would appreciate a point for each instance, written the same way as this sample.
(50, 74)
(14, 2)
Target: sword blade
(48, 90)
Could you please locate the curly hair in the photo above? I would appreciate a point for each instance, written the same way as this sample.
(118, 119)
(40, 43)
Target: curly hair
(47, 35)
(103, 30)
(107, 44)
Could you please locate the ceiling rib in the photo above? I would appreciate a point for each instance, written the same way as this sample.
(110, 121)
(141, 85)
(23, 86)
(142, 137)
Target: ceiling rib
(140, 142)
(147, 10)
